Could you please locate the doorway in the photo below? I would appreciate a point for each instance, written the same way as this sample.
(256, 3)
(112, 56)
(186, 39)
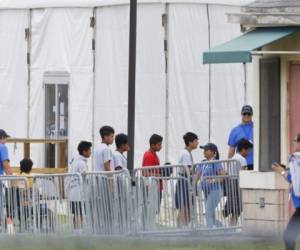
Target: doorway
(56, 113)
(294, 103)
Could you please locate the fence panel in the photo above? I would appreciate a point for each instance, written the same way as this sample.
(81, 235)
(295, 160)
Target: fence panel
(109, 202)
(57, 204)
(218, 198)
(164, 199)
(15, 204)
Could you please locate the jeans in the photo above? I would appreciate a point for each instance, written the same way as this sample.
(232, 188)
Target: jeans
(292, 231)
(212, 201)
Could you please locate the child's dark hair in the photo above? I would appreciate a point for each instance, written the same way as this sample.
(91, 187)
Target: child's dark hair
(244, 144)
(155, 139)
(217, 156)
(26, 166)
(83, 146)
(189, 137)
(121, 139)
(105, 131)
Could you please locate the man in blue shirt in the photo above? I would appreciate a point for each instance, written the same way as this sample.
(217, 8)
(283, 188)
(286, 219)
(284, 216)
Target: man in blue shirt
(242, 131)
(4, 158)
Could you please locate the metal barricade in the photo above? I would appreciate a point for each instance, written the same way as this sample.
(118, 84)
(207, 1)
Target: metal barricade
(164, 199)
(109, 202)
(15, 205)
(218, 203)
(57, 204)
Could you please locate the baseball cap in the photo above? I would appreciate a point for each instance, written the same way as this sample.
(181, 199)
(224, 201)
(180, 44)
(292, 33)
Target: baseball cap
(3, 134)
(247, 109)
(210, 146)
(297, 139)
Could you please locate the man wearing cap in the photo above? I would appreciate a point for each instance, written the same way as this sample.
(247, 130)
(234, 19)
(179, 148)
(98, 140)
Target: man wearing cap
(292, 175)
(242, 131)
(4, 158)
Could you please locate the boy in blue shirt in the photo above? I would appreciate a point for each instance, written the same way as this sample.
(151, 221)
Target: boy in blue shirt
(242, 131)
(4, 158)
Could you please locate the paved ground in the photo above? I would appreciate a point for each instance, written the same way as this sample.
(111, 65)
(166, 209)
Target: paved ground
(123, 243)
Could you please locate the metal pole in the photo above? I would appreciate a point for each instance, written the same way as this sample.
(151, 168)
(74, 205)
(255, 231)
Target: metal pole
(165, 23)
(28, 38)
(209, 75)
(245, 83)
(131, 82)
(93, 26)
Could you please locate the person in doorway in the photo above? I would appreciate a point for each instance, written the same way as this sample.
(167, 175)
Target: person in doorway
(151, 159)
(103, 154)
(292, 175)
(233, 203)
(243, 130)
(78, 165)
(4, 157)
(210, 183)
(119, 159)
(182, 196)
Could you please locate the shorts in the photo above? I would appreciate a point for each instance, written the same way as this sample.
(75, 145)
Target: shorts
(76, 207)
(182, 196)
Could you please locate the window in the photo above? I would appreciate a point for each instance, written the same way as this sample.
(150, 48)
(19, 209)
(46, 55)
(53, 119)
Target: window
(56, 113)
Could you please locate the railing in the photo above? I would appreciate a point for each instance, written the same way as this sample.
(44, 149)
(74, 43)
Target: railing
(165, 200)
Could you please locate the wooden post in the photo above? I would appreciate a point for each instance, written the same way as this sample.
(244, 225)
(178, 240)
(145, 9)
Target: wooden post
(62, 161)
(26, 150)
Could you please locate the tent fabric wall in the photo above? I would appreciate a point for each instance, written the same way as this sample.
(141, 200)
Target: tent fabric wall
(61, 41)
(150, 79)
(227, 81)
(188, 87)
(31, 4)
(13, 77)
(112, 32)
(111, 91)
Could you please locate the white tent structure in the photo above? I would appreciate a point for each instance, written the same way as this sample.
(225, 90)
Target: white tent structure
(175, 92)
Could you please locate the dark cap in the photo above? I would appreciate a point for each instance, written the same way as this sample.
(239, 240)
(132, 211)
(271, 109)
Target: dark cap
(3, 134)
(297, 139)
(247, 109)
(210, 146)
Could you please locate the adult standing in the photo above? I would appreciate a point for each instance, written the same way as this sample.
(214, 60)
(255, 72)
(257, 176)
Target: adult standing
(292, 175)
(4, 157)
(242, 131)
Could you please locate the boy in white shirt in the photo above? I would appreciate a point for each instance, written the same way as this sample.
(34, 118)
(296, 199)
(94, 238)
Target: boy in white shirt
(243, 148)
(233, 204)
(78, 165)
(119, 159)
(182, 199)
(103, 154)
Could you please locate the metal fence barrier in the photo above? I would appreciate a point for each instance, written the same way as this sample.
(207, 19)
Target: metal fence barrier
(109, 202)
(15, 205)
(165, 200)
(57, 203)
(218, 197)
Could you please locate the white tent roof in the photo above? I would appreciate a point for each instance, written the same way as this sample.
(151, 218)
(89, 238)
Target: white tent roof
(31, 4)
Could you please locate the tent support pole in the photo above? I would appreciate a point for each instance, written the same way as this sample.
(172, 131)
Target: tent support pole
(245, 83)
(165, 23)
(93, 26)
(28, 39)
(131, 82)
(209, 75)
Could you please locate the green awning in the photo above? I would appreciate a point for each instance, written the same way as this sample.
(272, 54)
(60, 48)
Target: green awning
(239, 49)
